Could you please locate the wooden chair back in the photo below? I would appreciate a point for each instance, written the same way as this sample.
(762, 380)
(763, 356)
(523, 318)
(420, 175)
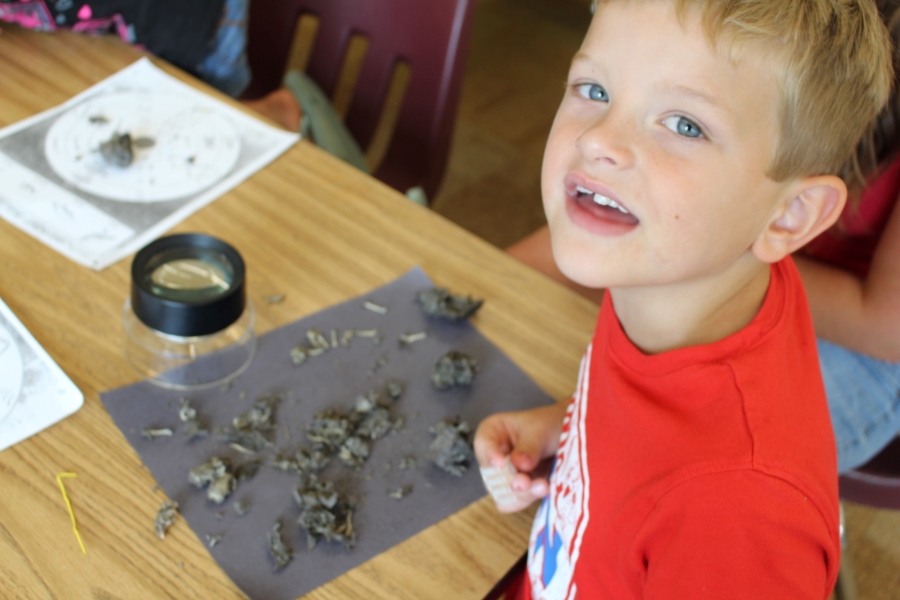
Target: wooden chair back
(393, 69)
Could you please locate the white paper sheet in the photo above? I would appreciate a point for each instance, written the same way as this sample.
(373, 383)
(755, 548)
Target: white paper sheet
(34, 391)
(58, 188)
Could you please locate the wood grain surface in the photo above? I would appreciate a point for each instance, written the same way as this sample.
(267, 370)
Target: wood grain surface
(309, 227)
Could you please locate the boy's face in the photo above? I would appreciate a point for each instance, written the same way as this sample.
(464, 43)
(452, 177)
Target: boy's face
(654, 171)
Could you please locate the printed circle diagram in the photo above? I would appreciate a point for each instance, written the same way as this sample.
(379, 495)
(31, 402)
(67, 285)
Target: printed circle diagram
(10, 373)
(179, 148)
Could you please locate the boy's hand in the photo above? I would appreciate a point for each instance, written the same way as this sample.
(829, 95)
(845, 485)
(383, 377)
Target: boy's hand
(529, 438)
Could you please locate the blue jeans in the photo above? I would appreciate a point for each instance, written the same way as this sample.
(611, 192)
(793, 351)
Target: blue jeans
(226, 68)
(864, 400)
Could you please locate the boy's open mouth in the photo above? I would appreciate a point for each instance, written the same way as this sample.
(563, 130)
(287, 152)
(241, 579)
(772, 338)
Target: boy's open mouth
(603, 207)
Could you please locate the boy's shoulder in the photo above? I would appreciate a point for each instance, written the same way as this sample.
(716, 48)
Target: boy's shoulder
(754, 400)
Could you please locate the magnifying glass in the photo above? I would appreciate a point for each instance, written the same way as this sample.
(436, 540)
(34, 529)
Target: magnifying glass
(188, 321)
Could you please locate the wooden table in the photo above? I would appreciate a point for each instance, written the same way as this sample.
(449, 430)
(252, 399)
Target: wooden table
(308, 227)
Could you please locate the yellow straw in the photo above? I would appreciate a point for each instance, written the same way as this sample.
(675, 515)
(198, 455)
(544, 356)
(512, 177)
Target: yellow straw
(69, 506)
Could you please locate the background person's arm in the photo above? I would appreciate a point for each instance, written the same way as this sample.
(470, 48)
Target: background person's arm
(862, 315)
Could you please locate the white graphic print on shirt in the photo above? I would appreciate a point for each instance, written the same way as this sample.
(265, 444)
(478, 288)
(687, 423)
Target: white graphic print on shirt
(563, 517)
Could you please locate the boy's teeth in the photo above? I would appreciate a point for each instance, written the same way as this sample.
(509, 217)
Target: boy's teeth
(604, 201)
(601, 199)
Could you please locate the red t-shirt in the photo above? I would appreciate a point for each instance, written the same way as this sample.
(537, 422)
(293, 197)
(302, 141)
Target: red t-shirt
(850, 243)
(703, 472)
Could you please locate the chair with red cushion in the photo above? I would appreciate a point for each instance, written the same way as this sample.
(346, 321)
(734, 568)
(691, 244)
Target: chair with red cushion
(393, 70)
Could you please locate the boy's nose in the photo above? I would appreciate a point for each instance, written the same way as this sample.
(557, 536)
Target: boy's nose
(607, 140)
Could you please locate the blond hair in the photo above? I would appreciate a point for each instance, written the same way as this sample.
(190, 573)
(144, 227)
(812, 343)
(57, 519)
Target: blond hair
(881, 142)
(832, 59)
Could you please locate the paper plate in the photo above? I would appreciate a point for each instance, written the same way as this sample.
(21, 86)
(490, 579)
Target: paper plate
(193, 146)
(10, 373)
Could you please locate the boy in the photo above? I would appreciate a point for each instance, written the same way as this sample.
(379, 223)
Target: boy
(695, 148)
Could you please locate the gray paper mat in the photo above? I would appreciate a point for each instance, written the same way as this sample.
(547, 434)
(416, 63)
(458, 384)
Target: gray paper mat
(332, 380)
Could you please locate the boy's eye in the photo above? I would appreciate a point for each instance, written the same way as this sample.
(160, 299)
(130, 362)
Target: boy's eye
(592, 91)
(683, 126)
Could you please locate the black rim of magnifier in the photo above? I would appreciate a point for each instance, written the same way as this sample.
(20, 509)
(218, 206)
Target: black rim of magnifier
(183, 318)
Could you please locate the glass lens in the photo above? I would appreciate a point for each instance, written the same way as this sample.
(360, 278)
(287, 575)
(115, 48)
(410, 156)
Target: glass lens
(202, 276)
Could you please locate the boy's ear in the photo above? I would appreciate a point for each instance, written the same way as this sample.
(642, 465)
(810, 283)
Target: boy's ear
(813, 205)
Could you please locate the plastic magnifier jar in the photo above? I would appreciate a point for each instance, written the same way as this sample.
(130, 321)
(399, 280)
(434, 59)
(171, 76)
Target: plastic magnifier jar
(188, 322)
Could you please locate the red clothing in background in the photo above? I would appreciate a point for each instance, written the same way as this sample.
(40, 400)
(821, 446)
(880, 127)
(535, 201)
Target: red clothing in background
(850, 243)
(704, 472)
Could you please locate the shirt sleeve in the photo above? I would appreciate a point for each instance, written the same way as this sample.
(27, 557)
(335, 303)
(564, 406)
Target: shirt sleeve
(738, 534)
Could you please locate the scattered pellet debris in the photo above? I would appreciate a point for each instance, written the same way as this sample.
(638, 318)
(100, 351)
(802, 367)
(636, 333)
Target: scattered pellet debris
(212, 540)
(151, 433)
(220, 515)
(410, 338)
(215, 473)
(254, 429)
(375, 308)
(317, 339)
(274, 299)
(454, 369)
(241, 449)
(353, 452)
(285, 463)
(304, 461)
(165, 517)
(376, 423)
(349, 435)
(219, 490)
(326, 514)
(313, 460)
(298, 355)
(380, 362)
(241, 508)
(193, 428)
(143, 142)
(365, 403)
(394, 389)
(407, 462)
(400, 492)
(329, 428)
(438, 302)
(247, 470)
(451, 449)
(98, 120)
(281, 553)
(226, 386)
(317, 343)
(118, 150)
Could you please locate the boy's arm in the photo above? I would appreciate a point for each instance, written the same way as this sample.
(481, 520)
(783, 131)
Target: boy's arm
(738, 535)
(529, 438)
(862, 315)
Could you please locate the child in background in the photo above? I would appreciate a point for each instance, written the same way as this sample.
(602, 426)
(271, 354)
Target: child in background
(852, 278)
(852, 281)
(696, 147)
(206, 38)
